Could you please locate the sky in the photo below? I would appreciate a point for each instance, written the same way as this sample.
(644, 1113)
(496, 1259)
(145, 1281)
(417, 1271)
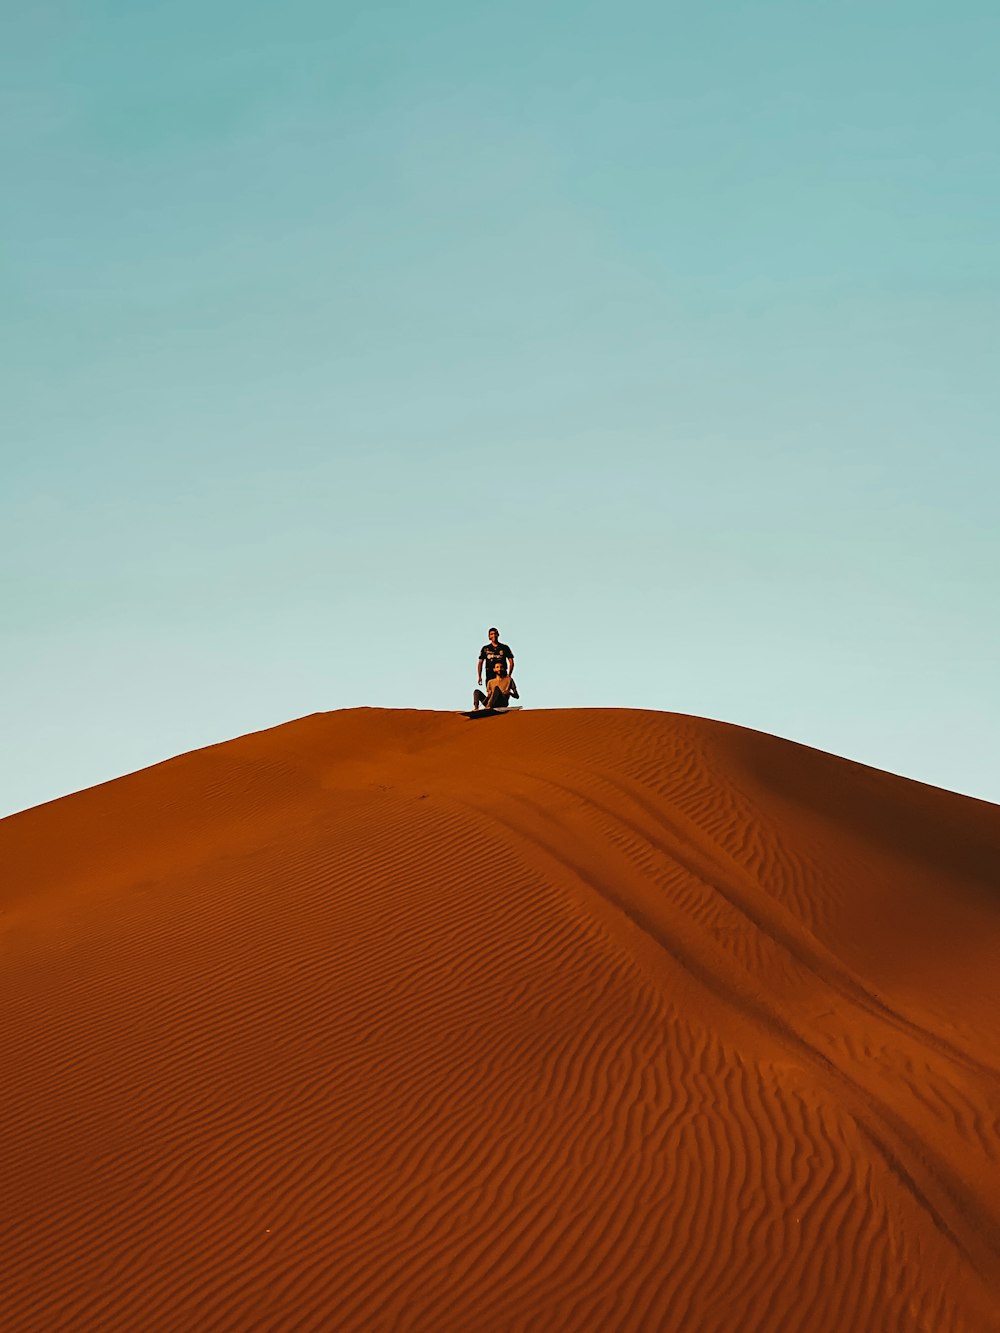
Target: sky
(662, 336)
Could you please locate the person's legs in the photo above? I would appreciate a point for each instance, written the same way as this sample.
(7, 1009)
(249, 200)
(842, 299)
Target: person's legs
(478, 698)
(496, 692)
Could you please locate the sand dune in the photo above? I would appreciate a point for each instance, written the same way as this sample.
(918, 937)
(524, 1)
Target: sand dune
(562, 1020)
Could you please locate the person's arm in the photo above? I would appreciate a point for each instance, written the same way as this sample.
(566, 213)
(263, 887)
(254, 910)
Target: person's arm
(479, 669)
(510, 658)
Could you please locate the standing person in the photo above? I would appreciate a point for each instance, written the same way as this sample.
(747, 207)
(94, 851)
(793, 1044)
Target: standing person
(493, 652)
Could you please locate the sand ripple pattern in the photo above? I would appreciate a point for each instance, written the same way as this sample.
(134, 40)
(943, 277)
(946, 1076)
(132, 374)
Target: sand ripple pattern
(584, 1021)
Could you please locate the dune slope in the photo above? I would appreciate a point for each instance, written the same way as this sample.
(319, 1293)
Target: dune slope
(558, 1020)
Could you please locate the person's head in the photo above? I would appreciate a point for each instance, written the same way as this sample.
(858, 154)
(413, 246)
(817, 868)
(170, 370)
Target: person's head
(498, 669)
(494, 634)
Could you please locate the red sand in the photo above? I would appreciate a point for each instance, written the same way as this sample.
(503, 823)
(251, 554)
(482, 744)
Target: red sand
(559, 1020)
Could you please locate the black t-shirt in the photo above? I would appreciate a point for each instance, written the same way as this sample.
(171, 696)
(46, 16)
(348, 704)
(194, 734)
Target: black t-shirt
(491, 654)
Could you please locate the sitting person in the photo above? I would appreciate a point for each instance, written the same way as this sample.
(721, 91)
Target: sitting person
(500, 689)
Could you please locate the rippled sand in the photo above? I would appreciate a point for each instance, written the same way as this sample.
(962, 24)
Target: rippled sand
(601, 1020)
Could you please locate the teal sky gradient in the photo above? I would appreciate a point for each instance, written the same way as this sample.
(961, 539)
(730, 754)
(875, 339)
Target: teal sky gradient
(663, 336)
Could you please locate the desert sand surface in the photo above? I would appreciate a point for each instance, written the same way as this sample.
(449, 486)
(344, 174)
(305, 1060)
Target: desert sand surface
(557, 1020)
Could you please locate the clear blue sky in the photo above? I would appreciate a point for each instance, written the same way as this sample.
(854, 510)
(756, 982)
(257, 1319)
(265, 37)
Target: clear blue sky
(663, 336)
